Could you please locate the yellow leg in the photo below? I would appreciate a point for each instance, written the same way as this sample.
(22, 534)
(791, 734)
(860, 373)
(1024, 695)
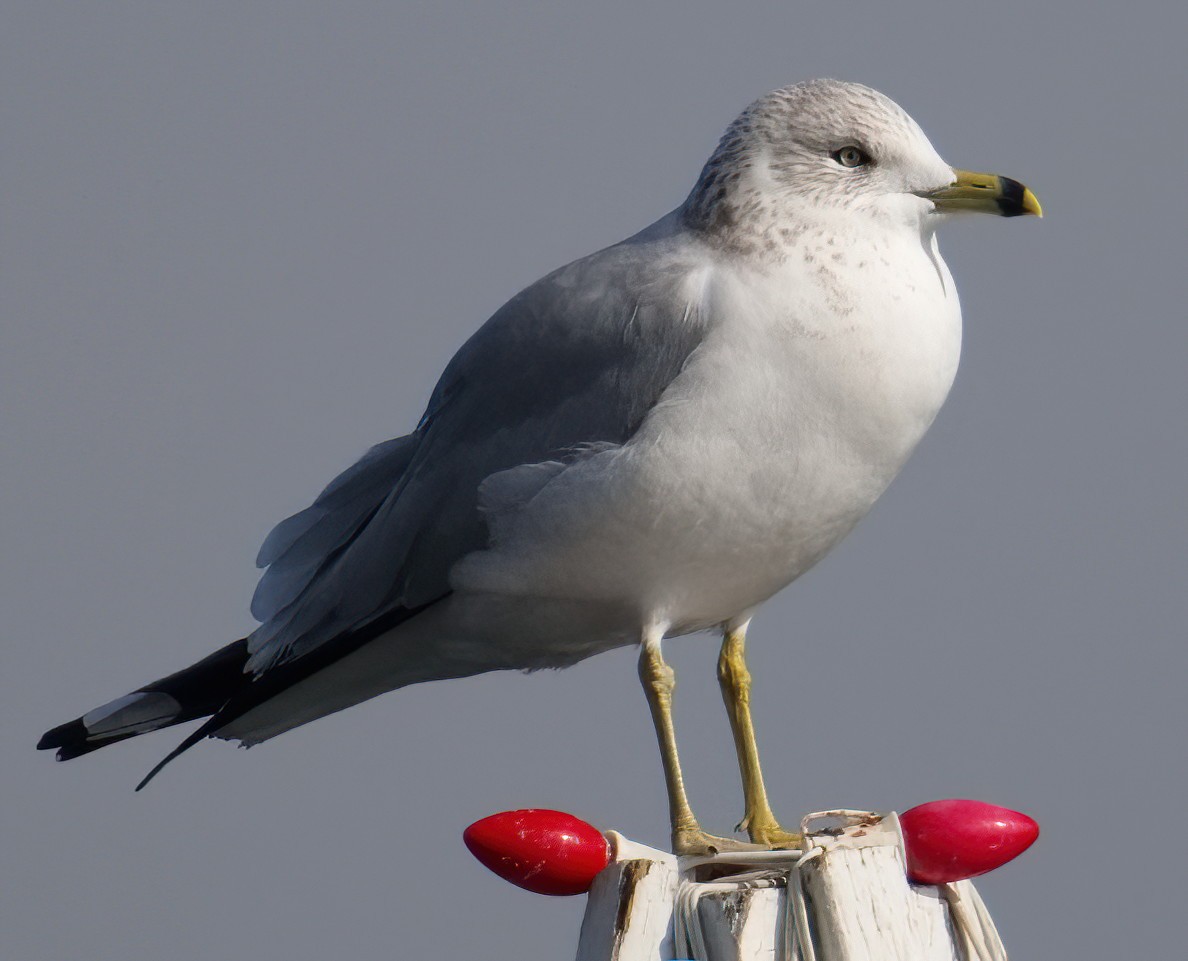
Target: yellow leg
(758, 820)
(658, 682)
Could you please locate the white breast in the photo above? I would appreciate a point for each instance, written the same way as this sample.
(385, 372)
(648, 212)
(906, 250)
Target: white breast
(783, 429)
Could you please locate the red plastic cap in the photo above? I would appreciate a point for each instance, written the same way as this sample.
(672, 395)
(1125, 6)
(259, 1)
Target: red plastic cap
(548, 852)
(957, 839)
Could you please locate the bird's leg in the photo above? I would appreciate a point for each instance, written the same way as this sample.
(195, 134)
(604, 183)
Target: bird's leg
(758, 820)
(658, 682)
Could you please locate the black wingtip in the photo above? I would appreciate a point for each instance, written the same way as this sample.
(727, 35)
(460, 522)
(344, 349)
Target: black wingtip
(73, 740)
(70, 739)
(200, 690)
(62, 735)
(189, 742)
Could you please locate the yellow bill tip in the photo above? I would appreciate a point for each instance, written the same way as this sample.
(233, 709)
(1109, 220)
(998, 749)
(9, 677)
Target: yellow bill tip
(1031, 204)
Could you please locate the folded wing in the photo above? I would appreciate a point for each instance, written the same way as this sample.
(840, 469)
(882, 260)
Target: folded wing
(571, 362)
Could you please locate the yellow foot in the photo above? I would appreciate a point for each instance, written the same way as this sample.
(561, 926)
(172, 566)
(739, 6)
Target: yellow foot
(768, 834)
(688, 842)
(777, 839)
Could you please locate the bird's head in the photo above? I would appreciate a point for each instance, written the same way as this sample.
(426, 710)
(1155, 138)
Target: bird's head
(822, 150)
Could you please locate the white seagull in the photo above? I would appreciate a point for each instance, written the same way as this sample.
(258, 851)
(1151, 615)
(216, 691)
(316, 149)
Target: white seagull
(648, 442)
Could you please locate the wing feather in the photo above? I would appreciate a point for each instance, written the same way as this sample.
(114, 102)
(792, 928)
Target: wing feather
(300, 546)
(574, 362)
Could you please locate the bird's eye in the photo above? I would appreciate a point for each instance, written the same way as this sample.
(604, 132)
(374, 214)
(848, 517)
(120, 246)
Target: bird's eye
(851, 156)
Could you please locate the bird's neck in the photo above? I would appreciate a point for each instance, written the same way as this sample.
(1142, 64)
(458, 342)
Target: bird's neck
(728, 208)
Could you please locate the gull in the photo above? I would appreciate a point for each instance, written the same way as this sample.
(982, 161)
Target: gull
(646, 443)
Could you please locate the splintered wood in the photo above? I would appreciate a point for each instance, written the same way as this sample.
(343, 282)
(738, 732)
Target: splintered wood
(846, 897)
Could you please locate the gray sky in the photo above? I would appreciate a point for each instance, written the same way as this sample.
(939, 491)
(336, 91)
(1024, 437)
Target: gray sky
(240, 240)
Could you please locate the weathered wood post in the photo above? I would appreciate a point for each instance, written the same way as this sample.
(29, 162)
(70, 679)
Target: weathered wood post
(862, 887)
(845, 897)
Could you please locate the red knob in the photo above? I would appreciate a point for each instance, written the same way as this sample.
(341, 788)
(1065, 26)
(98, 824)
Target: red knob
(956, 839)
(548, 852)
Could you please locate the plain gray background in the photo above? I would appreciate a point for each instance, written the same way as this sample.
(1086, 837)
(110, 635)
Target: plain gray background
(240, 240)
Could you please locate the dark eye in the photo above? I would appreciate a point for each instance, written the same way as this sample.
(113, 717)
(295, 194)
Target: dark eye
(851, 156)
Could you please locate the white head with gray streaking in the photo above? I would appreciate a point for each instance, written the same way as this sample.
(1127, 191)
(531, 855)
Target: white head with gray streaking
(805, 153)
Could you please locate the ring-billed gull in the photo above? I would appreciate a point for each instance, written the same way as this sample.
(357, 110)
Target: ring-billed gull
(648, 442)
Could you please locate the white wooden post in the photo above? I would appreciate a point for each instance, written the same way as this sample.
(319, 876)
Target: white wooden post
(629, 911)
(845, 897)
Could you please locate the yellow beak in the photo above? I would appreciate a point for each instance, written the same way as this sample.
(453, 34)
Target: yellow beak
(987, 193)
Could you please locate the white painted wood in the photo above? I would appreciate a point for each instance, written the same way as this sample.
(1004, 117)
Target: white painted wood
(976, 931)
(846, 897)
(861, 906)
(629, 911)
(735, 919)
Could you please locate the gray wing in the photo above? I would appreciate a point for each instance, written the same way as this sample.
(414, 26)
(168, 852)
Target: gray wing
(578, 359)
